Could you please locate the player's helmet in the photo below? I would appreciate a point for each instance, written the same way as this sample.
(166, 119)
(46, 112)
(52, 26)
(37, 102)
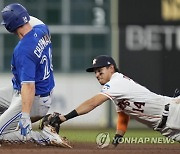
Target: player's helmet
(14, 15)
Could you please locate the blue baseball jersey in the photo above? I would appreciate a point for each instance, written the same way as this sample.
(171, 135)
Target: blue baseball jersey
(32, 60)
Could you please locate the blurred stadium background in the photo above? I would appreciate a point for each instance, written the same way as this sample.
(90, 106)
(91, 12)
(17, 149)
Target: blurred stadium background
(143, 36)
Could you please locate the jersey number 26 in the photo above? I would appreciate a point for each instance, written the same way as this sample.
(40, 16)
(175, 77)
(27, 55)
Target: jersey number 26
(48, 64)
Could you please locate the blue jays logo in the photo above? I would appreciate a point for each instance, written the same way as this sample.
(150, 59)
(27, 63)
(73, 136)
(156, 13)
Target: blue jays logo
(25, 19)
(106, 87)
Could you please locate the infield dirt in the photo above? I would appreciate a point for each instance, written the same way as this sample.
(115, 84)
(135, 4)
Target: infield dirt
(89, 148)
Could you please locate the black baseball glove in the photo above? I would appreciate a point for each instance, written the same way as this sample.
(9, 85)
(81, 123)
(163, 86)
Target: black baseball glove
(52, 120)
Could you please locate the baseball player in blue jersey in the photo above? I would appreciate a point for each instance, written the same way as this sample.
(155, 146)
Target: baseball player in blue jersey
(33, 79)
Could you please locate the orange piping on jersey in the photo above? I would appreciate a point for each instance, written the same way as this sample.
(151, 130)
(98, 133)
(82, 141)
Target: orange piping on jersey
(122, 121)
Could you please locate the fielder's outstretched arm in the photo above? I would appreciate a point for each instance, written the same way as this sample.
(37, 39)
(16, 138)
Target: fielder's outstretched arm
(85, 107)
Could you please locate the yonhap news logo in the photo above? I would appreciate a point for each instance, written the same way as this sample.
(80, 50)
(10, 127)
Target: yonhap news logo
(143, 140)
(103, 140)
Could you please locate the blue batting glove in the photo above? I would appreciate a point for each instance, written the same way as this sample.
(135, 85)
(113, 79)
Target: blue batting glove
(25, 127)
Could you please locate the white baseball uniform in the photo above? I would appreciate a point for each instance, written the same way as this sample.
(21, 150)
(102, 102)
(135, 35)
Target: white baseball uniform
(142, 104)
(10, 111)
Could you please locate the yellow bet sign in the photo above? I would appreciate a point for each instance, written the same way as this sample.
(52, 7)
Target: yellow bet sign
(170, 10)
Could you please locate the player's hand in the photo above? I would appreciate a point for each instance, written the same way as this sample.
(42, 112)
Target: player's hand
(25, 127)
(117, 139)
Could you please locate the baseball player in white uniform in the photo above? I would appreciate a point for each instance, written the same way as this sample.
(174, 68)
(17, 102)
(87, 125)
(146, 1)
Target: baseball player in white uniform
(159, 112)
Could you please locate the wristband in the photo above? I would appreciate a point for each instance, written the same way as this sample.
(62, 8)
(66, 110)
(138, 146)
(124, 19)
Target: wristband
(71, 115)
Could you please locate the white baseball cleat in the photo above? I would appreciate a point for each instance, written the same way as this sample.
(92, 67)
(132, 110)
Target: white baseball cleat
(54, 138)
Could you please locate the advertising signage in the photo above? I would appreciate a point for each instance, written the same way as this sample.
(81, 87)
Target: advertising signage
(150, 43)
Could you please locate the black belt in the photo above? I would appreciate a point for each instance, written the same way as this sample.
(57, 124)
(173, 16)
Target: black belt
(43, 95)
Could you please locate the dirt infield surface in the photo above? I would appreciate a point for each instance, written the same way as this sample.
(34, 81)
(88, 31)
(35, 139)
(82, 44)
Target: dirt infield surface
(85, 148)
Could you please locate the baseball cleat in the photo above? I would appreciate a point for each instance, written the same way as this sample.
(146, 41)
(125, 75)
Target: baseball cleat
(54, 138)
